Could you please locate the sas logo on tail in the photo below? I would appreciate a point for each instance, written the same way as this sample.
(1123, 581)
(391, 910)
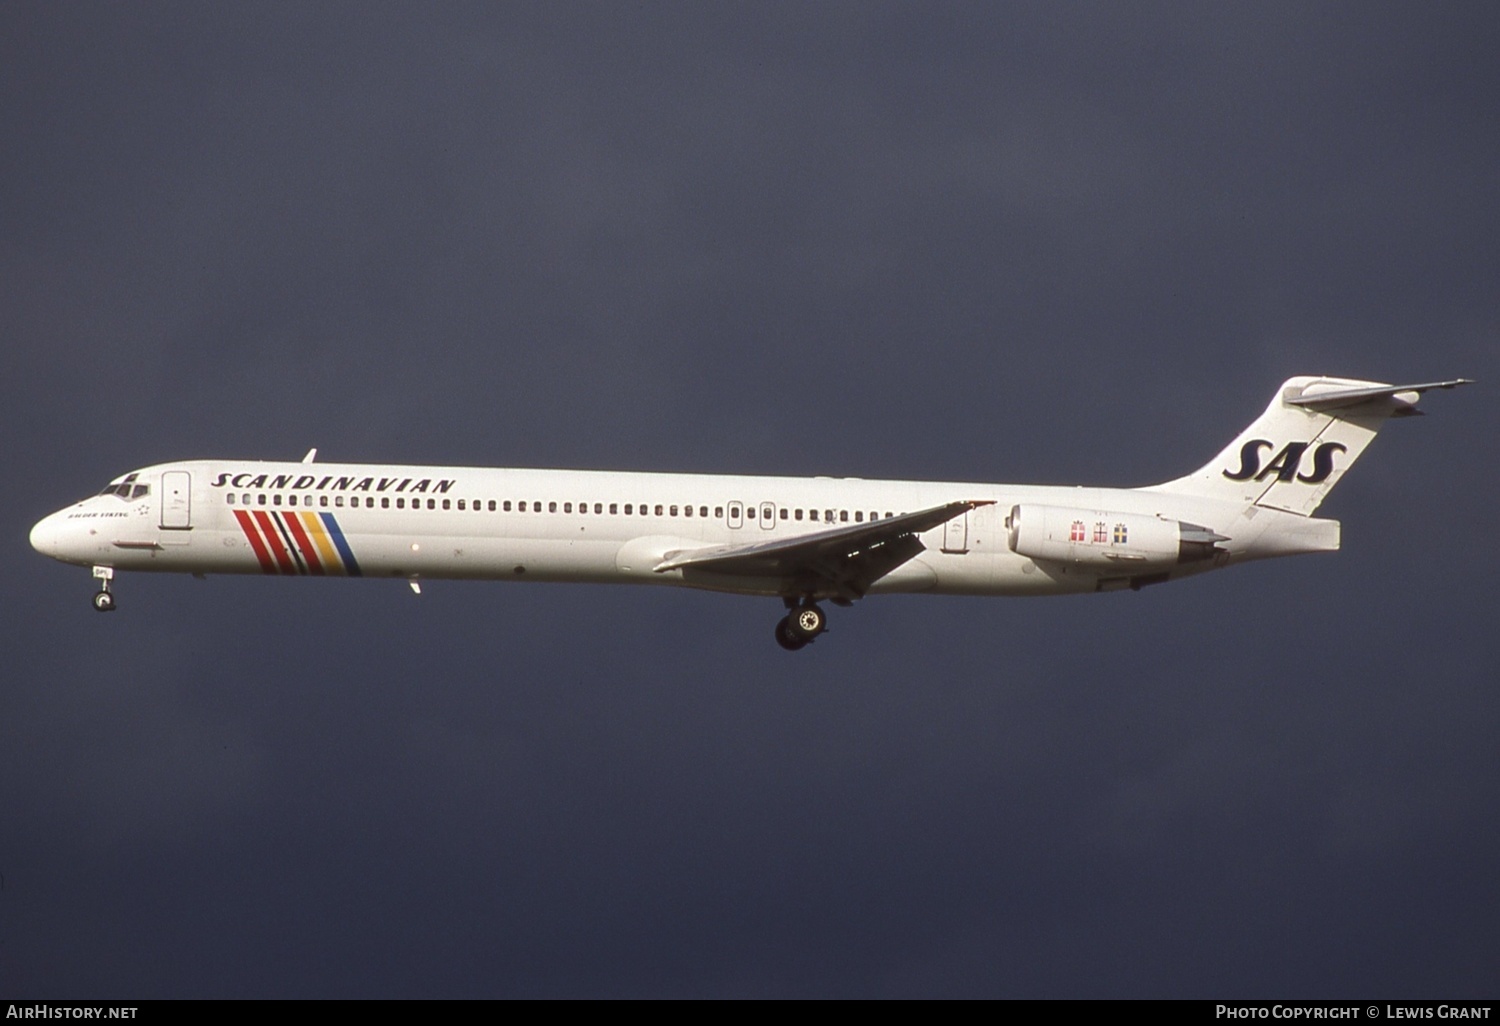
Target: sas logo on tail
(1286, 463)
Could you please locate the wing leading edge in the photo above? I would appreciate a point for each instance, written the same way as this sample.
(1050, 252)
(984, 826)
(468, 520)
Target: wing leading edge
(840, 564)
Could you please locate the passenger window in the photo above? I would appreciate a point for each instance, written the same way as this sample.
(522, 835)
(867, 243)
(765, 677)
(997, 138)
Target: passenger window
(229, 498)
(674, 511)
(291, 500)
(598, 507)
(687, 511)
(506, 505)
(629, 509)
(432, 504)
(276, 499)
(614, 508)
(338, 500)
(783, 512)
(859, 516)
(400, 503)
(843, 516)
(658, 511)
(567, 507)
(523, 506)
(551, 507)
(323, 500)
(718, 512)
(460, 504)
(385, 503)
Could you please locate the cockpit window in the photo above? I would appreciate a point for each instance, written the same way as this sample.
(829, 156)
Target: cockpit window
(127, 488)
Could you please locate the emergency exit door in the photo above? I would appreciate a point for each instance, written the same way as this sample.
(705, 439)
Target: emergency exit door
(956, 534)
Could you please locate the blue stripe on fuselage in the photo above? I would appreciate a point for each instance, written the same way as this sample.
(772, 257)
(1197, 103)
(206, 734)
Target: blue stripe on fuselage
(350, 565)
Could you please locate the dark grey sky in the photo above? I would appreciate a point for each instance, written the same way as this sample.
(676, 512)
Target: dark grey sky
(1020, 242)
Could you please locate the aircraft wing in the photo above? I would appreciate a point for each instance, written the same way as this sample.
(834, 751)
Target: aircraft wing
(840, 563)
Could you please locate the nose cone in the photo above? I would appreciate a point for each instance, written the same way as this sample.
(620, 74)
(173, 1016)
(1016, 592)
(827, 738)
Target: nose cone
(44, 536)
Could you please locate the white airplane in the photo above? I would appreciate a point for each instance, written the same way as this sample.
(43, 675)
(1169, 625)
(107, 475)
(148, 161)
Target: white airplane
(803, 540)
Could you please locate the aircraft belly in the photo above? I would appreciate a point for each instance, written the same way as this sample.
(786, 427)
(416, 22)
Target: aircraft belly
(379, 555)
(1018, 576)
(488, 558)
(970, 573)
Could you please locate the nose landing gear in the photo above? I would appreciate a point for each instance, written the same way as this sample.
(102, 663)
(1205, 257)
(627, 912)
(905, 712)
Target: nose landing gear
(104, 599)
(800, 626)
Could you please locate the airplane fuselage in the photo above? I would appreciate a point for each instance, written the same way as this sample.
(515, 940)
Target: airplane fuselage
(803, 540)
(429, 523)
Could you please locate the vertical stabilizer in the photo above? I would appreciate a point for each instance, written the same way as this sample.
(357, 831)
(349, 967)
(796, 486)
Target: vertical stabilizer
(1293, 454)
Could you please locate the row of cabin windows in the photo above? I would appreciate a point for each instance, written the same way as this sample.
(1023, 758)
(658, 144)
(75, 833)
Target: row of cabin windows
(615, 509)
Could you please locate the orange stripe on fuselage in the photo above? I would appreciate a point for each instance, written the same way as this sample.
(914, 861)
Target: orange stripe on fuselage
(320, 538)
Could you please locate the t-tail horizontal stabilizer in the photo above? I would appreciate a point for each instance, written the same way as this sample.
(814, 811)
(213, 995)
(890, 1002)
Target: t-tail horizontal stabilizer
(1295, 452)
(1404, 396)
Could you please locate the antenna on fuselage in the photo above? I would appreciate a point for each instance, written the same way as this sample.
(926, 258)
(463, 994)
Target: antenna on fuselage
(312, 454)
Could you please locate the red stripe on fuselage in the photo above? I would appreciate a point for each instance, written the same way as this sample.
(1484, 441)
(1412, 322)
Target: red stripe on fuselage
(309, 551)
(248, 526)
(273, 539)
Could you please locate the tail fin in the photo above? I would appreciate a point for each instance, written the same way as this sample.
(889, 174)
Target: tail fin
(1293, 455)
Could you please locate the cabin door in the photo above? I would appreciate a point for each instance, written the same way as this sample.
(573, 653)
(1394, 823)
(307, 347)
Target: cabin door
(176, 501)
(956, 534)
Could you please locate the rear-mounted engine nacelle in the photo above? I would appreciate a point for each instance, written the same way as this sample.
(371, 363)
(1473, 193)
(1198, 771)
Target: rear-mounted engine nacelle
(1106, 540)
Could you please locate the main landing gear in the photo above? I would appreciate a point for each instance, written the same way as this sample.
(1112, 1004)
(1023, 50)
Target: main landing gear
(801, 625)
(104, 599)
